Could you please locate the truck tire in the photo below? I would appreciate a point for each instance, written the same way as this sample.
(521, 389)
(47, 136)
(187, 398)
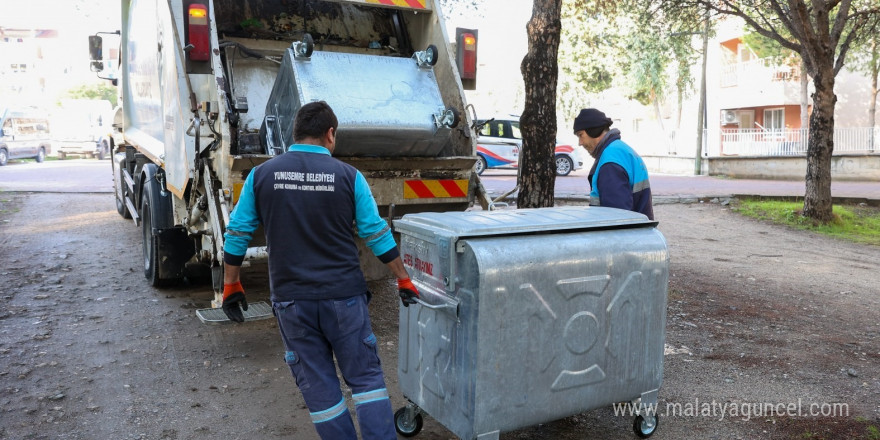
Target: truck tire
(119, 187)
(166, 248)
(41, 155)
(122, 209)
(150, 242)
(4, 157)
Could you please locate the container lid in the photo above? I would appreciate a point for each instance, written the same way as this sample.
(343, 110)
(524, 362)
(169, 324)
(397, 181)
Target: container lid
(520, 221)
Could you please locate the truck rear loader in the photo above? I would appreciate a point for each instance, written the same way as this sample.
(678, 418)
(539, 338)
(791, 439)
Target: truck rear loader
(208, 90)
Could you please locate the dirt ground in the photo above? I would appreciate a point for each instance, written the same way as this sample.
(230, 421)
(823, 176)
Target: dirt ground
(757, 314)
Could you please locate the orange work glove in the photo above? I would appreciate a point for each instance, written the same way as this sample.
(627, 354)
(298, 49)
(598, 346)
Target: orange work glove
(234, 301)
(407, 291)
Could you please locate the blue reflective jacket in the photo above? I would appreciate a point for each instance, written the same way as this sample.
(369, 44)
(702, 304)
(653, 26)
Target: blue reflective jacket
(307, 202)
(619, 178)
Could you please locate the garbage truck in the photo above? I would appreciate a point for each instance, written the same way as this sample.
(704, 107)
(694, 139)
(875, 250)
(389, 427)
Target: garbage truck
(208, 90)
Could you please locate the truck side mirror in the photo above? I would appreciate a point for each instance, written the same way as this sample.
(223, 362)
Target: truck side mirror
(96, 52)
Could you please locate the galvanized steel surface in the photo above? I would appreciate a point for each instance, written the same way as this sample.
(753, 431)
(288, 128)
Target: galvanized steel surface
(385, 105)
(519, 221)
(553, 320)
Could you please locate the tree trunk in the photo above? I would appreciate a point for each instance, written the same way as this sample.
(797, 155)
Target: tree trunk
(679, 105)
(537, 175)
(805, 93)
(657, 114)
(872, 109)
(817, 200)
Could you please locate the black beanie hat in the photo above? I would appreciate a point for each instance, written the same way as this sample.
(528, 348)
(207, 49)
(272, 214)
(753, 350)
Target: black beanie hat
(593, 121)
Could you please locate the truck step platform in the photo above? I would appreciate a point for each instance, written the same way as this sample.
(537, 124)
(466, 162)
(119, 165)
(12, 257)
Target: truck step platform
(255, 312)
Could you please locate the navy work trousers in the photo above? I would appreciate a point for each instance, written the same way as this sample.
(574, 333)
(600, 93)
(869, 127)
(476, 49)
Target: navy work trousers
(313, 331)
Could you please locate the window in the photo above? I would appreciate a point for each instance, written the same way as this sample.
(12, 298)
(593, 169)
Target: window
(774, 119)
(514, 126)
(744, 53)
(486, 129)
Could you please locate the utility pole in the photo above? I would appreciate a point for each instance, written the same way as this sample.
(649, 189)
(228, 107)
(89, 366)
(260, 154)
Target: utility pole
(701, 118)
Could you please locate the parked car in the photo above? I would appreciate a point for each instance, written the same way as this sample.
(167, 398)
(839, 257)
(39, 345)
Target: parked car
(499, 141)
(82, 127)
(23, 135)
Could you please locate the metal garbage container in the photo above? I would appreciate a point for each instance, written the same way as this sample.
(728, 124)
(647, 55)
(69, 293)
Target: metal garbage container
(528, 316)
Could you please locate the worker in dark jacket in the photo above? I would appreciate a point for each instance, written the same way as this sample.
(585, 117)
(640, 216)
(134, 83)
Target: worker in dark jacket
(618, 178)
(307, 202)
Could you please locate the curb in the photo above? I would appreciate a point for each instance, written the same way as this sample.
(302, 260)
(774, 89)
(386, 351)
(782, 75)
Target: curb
(722, 199)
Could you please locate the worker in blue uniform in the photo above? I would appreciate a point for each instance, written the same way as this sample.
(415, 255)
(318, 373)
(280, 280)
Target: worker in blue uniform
(307, 202)
(619, 177)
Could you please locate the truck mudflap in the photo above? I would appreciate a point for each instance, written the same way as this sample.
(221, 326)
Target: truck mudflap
(175, 248)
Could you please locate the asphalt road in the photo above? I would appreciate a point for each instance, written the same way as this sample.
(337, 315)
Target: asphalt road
(94, 176)
(75, 176)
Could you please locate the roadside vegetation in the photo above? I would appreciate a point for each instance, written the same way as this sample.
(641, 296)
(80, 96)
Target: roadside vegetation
(8, 206)
(857, 223)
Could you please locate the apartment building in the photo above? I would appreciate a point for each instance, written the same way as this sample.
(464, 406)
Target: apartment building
(763, 106)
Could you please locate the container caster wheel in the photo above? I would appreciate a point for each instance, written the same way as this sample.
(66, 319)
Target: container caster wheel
(407, 428)
(432, 54)
(303, 48)
(643, 427)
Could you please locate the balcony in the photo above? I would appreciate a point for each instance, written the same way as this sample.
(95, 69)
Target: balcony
(794, 142)
(758, 83)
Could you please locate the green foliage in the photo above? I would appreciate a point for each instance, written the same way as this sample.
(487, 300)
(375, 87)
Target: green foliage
(768, 48)
(587, 47)
(103, 90)
(623, 43)
(865, 56)
(873, 432)
(251, 23)
(860, 224)
(684, 57)
(647, 58)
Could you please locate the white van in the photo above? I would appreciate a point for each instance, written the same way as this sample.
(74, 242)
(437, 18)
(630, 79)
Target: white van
(82, 127)
(23, 135)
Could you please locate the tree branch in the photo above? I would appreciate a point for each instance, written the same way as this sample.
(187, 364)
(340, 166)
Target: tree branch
(840, 21)
(730, 7)
(847, 43)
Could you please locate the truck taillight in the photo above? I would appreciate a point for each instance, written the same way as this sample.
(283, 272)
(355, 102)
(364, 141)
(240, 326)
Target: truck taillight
(199, 33)
(469, 63)
(466, 56)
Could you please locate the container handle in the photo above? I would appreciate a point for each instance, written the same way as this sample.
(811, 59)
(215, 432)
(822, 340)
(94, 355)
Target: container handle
(450, 304)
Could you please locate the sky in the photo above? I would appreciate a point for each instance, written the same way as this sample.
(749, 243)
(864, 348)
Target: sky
(501, 24)
(65, 15)
(501, 47)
